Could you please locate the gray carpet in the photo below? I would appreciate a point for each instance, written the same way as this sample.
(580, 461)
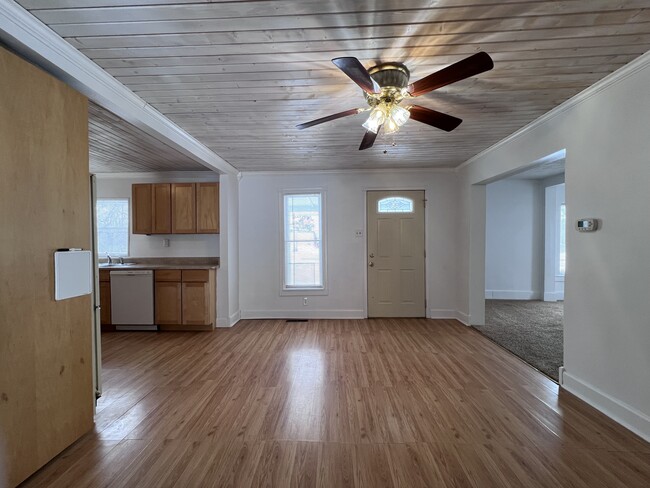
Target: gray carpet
(533, 330)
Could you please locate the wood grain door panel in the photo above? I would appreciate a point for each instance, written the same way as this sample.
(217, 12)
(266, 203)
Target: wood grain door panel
(168, 309)
(196, 303)
(161, 203)
(183, 208)
(141, 208)
(207, 208)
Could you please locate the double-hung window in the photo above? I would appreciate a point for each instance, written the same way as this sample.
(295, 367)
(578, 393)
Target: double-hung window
(112, 226)
(304, 249)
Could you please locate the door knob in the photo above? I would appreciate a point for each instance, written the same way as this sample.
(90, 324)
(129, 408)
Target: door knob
(371, 264)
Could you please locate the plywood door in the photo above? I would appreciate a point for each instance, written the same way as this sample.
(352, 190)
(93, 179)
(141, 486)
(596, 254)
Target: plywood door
(46, 376)
(183, 208)
(141, 208)
(161, 203)
(395, 254)
(168, 302)
(207, 208)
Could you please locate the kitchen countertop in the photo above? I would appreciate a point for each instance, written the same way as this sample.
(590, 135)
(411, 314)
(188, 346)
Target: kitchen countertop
(114, 267)
(163, 263)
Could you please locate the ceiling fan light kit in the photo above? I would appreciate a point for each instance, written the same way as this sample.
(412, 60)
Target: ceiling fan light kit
(386, 85)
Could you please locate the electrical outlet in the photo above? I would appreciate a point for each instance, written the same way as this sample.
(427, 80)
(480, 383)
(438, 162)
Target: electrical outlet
(165, 242)
(305, 302)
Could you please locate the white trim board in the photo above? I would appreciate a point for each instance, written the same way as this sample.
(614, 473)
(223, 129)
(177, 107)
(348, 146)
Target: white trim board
(620, 74)
(463, 318)
(32, 39)
(439, 313)
(627, 416)
(512, 295)
(225, 322)
(303, 314)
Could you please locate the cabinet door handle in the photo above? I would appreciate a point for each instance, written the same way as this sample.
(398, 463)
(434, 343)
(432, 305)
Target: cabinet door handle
(371, 264)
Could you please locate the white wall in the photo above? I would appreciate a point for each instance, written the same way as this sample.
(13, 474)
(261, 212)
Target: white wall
(260, 234)
(553, 281)
(514, 240)
(607, 311)
(142, 246)
(228, 274)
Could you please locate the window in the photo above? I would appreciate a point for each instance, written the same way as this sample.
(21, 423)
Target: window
(562, 244)
(304, 255)
(112, 227)
(395, 205)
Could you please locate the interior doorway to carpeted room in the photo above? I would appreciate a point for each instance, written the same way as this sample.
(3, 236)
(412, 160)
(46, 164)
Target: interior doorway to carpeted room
(525, 265)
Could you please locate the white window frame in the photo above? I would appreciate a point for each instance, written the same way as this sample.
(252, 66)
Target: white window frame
(128, 232)
(311, 290)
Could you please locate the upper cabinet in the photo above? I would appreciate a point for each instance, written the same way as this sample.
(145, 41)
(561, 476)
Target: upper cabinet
(207, 208)
(183, 208)
(161, 203)
(176, 208)
(142, 210)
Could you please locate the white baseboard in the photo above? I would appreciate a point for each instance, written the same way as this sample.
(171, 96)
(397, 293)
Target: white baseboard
(229, 321)
(627, 416)
(462, 317)
(553, 296)
(512, 295)
(436, 313)
(303, 314)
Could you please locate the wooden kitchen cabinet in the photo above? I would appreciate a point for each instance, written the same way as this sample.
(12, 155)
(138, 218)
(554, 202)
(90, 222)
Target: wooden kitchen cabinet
(207, 208)
(183, 208)
(161, 205)
(142, 208)
(175, 208)
(105, 300)
(168, 303)
(185, 300)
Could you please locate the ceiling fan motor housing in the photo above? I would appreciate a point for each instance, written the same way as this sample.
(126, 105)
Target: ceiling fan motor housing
(390, 74)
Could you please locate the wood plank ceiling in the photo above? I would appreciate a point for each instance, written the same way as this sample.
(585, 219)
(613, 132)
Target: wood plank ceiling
(239, 75)
(117, 146)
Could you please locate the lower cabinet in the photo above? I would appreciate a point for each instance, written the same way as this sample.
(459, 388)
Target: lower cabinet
(105, 301)
(185, 299)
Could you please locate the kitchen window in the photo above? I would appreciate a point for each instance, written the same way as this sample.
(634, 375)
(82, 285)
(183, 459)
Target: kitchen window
(304, 243)
(112, 226)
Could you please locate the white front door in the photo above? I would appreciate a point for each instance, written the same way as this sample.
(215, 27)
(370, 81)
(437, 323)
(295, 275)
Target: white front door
(395, 254)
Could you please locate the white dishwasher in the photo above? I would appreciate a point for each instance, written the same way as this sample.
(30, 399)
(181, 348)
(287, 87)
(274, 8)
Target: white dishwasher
(132, 300)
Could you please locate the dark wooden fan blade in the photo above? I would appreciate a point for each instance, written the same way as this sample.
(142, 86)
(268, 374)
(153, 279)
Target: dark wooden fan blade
(328, 118)
(434, 118)
(357, 73)
(475, 64)
(368, 139)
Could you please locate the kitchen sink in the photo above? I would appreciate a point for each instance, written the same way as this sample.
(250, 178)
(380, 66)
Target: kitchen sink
(118, 265)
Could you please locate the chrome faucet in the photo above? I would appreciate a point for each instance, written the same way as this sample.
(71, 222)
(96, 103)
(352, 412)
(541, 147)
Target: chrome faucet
(121, 259)
(110, 259)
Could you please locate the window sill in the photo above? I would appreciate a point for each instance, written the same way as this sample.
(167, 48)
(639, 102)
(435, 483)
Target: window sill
(288, 292)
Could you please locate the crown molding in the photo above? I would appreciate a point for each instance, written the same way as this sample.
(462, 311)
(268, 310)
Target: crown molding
(35, 41)
(346, 171)
(160, 176)
(617, 76)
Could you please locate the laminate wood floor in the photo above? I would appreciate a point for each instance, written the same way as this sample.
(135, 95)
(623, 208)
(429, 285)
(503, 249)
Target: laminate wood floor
(335, 403)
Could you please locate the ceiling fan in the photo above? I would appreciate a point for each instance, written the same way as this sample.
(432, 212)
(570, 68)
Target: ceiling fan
(386, 85)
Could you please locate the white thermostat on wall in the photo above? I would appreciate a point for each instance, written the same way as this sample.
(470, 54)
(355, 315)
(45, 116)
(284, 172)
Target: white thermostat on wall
(586, 225)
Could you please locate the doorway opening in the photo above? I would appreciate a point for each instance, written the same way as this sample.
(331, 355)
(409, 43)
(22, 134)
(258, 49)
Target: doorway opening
(525, 262)
(396, 253)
